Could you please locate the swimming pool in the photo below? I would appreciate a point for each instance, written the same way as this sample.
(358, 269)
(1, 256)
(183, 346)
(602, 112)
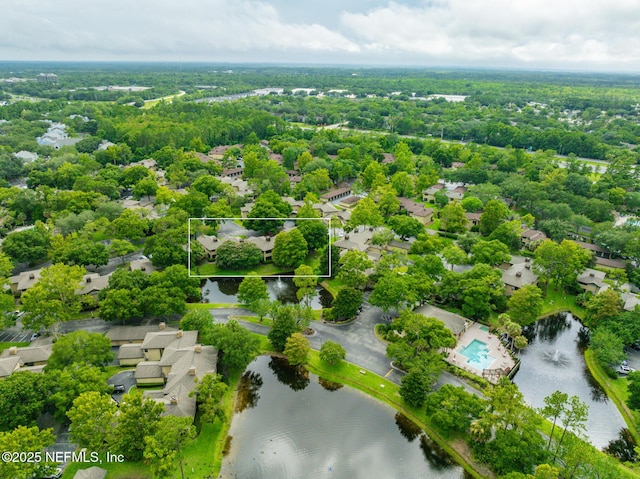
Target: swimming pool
(477, 354)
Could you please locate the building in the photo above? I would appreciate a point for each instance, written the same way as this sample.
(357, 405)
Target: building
(473, 219)
(592, 280)
(30, 358)
(22, 282)
(155, 343)
(416, 210)
(143, 265)
(457, 193)
(530, 236)
(518, 275)
(93, 472)
(598, 251)
(232, 172)
(93, 283)
(47, 78)
(336, 194)
(265, 244)
(119, 335)
(430, 194)
(210, 244)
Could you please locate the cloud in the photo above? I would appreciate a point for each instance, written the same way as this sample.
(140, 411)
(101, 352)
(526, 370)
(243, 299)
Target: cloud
(570, 34)
(534, 32)
(200, 29)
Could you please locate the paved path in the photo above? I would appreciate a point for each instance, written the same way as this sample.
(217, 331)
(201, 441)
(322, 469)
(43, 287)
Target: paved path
(357, 338)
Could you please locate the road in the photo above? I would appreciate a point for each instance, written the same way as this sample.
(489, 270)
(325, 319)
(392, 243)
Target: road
(356, 337)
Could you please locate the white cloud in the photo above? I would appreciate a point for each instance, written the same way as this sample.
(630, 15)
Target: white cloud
(570, 34)
(534, 32)
(153, 28)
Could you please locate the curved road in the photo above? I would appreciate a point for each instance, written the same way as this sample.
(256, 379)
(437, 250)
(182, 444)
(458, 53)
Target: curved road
(357, 338)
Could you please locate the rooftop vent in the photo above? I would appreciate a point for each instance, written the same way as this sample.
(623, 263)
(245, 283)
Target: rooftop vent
(162, 325)
(174, 400)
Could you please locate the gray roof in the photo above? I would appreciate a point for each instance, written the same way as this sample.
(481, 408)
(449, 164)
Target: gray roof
(148, 370)
(133, 333)
(93, 282)
(454, 322)
(29, 354)
(142, 265)
(8, 365)
(210, 243)
(519, 275)
(591, 276)
(130, 351)
(631, 301)
(26, 279)
(175, 339)
(265, 243)
(91, 473)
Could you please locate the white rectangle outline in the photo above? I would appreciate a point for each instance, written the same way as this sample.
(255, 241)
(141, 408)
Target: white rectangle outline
(244, 275)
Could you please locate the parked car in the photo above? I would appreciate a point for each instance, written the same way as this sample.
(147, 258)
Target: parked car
(34, 336)
(119, 388)
(624, 369)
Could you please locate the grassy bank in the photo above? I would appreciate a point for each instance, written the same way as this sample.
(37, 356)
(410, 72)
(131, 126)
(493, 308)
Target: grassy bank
(388, 392)
(616, 389)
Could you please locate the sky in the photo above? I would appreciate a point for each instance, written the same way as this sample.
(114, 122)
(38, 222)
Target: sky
(582, 35)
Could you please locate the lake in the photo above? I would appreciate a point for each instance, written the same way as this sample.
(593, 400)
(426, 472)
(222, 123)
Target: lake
(290, 424)
(553, 361)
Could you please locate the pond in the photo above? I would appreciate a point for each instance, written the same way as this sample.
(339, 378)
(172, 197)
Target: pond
(554, 361)
(289, 424)
(225, 290)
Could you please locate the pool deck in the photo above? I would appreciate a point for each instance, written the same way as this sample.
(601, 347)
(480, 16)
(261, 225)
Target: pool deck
(504, 360)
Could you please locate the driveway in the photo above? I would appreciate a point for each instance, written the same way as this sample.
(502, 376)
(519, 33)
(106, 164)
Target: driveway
(126, 379)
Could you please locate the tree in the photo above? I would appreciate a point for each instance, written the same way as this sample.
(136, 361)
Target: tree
(92, 419)
(560, 263)
(290, 249)
(495, 212)
(27, 246)
(347, 303)
(454, 255)
(332, 352)
(414, 387)
(234, 255)
(163, 449)
(23, 439)
(329, 261)
(490, 252)
(391, 291)
(284, 325)
(252, 289)
(296, 349)
(365, 213)
(554, 407)
(93, 349)
(268, 205)
(315, 232)
(22, 399)
(67, 384)
(607, 347)
(452, 218)
(130, 226)
(209, 393)
(145, 187)
(353, 265)
(53, 298)
(453, 408)
(604, 305)
(306, 282)
(78, 251)
(138, 418)
(197, 320)
(121, 248)
(525, 304)
(573, 417)
(237, 347)
(472, 204)
(406, 226)
(633, 386)
(387, 200)
(121, 304)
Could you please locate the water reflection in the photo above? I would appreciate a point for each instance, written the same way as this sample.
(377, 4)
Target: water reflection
(329, 385)
(553, 361)
(623, 448)
(250, 384)
(313, 432)
(225, 290)
(407, 427)
(296, 377)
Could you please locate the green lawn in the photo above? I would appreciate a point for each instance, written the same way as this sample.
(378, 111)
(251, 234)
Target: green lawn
(4, 346)
(557, 301)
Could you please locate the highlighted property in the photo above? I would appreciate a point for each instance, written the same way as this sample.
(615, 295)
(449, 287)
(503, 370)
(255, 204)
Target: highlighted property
(235, 247)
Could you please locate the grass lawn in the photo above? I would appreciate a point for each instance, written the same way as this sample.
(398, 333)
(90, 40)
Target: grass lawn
(333, 285)
(4, 346)
(115, 470)
(212, 305)
(557, 301)
(616, 389)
